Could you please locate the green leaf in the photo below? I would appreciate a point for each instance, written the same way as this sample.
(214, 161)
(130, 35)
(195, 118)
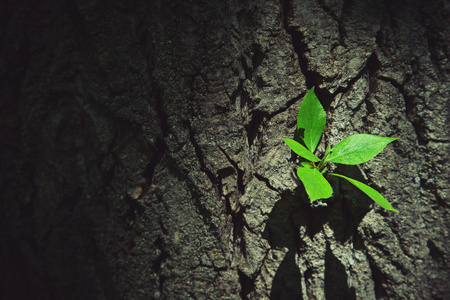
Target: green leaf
(315, 184)
(377, 197)
(312, 118)
(358, 148)
(300, 150)
(306, 165)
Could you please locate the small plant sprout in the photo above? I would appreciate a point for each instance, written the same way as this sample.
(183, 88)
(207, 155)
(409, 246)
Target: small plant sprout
(354, 150)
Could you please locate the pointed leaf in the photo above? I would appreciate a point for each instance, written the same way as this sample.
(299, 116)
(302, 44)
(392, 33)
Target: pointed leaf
(358, 148)
(372, 193)
(312, 118)
(315, 184)
(300, 150)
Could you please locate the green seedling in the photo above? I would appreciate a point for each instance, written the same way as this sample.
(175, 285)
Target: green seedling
(354, 150)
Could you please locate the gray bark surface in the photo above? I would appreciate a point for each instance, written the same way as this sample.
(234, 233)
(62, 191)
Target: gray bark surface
(142, 154)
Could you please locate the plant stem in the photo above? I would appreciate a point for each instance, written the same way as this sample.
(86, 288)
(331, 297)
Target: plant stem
(323, 160)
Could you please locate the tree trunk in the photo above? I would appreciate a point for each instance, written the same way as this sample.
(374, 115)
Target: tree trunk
(142, 154)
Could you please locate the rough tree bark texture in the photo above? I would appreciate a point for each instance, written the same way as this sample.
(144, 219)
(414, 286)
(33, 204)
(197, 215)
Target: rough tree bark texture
(142, 159)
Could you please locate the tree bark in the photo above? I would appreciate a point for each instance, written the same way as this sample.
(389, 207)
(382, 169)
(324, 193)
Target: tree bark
(142, 154)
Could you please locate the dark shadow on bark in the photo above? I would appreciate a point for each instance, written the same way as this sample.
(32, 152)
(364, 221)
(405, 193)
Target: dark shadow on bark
(290, 213)
(294, 213)
(247, 284)
(282, 230)
(287, 281)
(336, 286)
(350, 203)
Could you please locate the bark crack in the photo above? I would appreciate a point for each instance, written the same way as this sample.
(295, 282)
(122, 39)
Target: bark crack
(242, 180)
(417, 122)
(266, 181)
(200, 156)
(378, 280)
(300, 47)
(159, 261)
